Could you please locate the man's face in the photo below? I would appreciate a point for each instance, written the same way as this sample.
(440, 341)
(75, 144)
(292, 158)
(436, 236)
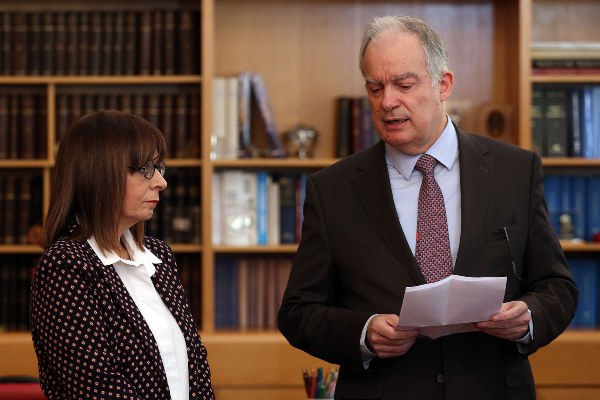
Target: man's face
(408, 110)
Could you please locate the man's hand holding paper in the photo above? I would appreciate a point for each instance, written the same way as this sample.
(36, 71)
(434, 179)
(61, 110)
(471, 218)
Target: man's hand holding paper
(454, 305)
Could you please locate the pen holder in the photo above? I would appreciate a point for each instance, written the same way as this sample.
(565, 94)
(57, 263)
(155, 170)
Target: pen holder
(319, 384)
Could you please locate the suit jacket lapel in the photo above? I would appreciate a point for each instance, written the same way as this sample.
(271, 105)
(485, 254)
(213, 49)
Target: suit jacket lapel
(372, 187)
(173, 298)
(127, 307)
(476, 169)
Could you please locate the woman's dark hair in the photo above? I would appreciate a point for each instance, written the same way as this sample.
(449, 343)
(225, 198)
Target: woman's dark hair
(90, 174)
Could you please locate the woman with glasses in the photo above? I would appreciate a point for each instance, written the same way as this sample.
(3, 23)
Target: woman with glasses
(109, 316)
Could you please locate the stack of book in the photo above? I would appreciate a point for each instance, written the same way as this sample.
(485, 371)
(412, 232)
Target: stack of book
(565, 120)
(20, 207)
(176, 112)
(190, 272)
(257, 208)
(23, 129)
(355, 130)
(243, 120)
(587, 279)
(15, 282)
(574, 206)
(248, 291)
(177, 218)
(132, 42)
(565, 58)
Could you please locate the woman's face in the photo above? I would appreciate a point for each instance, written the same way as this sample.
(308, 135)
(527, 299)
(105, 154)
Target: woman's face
(141, 196)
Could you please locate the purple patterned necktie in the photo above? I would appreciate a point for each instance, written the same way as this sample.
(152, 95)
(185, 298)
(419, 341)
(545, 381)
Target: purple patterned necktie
(433, 243)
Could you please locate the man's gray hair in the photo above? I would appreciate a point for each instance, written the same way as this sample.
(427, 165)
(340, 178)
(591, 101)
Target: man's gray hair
(433, 46)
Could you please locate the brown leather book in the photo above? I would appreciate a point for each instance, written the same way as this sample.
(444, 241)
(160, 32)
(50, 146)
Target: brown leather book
(34, 42)
(27, 120)
(18, 44)
(157, 51)
(4, 119)
(145, 42)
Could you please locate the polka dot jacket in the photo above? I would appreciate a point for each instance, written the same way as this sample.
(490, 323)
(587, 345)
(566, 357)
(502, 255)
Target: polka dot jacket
(90, 338)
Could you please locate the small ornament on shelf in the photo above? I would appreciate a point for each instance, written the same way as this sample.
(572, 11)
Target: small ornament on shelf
(301, 141)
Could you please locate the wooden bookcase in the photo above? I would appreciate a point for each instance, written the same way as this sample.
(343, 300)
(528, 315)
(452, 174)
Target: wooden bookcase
(306, 51)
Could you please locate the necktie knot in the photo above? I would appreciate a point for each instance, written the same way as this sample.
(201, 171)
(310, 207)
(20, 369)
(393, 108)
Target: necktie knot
(425, 164)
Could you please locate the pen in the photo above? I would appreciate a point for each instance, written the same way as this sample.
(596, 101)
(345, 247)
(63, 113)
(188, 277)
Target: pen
(319, 384)
(306, 379)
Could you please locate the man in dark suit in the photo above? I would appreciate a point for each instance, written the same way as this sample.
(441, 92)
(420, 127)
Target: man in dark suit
(360, 242)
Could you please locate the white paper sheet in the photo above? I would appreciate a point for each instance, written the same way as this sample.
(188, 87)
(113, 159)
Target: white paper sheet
(452, 304)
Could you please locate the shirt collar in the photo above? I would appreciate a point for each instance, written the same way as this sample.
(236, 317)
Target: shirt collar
(138, 256)
(444, 150)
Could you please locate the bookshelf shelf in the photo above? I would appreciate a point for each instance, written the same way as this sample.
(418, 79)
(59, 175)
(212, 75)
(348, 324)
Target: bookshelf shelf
(566, 78)
(183, 162)
(186, 248)
(21, 163)
(282, 248)
(20, 249)
(266, 163)
(570, 162)
(580, 247)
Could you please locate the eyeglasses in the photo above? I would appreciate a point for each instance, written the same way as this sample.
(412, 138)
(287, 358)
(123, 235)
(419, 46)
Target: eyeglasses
(148, 169)
(512, 258)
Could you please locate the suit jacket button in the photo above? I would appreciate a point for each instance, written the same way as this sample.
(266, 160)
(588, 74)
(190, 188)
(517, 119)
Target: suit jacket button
(440, 378)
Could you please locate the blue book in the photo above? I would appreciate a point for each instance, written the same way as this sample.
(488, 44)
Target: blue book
(300, 206)
(232, 294)
(287, 208)
(575, 123)
(219, 292)
(552, 190)
(575, 268)
(587, 283)
(579, 206)
(587, 134)
(226, 293)
(596, 120)
(262, 207)
(593, 201)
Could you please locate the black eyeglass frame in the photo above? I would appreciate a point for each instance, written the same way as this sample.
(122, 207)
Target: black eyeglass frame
(148, 169)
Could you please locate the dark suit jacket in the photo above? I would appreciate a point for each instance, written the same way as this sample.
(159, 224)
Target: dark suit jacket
(90, 338)
(353, 261)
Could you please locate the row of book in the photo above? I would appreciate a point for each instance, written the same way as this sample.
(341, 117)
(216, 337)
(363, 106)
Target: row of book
(16, 272)
(565, 120)
(573, 57)
(15, 281)
(23, 125)
(248, 291)
(175, 113)
(574, 206)
(355, 130)
(585, 270)
(190, 272)
(243, 120)
(23, 118)
(20, 207)
(132, 42)
(257, 208)
(178, 216)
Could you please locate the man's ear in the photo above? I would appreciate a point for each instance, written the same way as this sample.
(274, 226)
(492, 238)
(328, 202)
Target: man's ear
(445, 85)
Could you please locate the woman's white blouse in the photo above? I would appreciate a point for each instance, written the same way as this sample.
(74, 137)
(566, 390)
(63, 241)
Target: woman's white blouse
(135, 274)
